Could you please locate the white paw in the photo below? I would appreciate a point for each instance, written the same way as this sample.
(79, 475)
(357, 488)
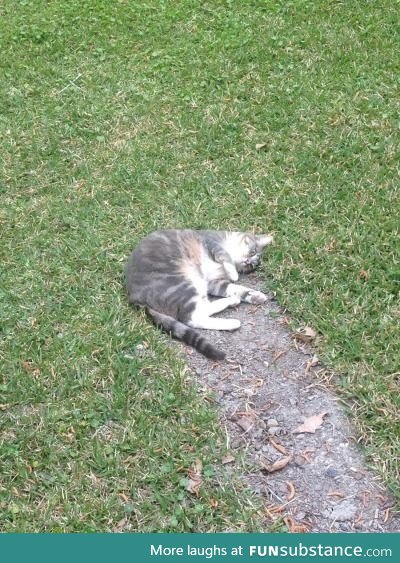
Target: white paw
(233, 324)
(231, 271)
(256, 297)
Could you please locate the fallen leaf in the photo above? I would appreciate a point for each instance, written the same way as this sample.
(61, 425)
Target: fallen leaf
(386, 516)
(28, 366)
(195, 479)
(213, 502)
(364, 274)
(330, 246)
(294, 527)
(307, 453)
(291, 490)
(245, 423)
(260, 146)
(365, 498)
(306, 334)
(311, 424)
(335, 494)
(277, 465)
(275, 508)
(278, 447)
(121, 524)
(228, 458)
(187, 448)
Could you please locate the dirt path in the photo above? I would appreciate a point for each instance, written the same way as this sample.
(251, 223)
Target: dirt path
(264, 392)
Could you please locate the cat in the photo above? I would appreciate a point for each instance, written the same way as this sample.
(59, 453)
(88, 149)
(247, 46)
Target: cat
(172, 272)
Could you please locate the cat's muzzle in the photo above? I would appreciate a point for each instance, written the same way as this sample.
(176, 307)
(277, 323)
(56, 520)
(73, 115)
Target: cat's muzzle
(250, 264)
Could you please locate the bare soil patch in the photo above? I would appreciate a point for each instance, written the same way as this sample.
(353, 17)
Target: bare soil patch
(317, 482)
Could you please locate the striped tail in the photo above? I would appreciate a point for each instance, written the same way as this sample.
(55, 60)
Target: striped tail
(187, 335)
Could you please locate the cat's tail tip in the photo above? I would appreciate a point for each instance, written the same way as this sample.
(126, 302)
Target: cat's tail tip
(213, 353)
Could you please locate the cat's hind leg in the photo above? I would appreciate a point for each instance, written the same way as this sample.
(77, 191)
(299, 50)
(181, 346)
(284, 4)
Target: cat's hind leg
(212, 323)
(201, 316)
(221, 304)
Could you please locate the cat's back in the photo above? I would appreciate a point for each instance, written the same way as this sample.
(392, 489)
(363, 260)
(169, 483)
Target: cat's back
(162, 260)
(166, 249)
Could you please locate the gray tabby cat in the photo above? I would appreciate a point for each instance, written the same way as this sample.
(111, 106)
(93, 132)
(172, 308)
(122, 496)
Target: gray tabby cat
(171, 273)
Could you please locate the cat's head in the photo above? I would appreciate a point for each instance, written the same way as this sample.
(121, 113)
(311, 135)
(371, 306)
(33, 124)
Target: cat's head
(248, 251)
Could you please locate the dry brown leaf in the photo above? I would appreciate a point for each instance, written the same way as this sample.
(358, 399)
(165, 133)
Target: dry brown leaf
(195, 480)
(245, 423)
(277, 465)
(278, 447)
(330, 246)
(364, 274)
(306, 334)
(294, 527)
(276, 508)
(365, 498)
(260, 146)
(291, 490)
(228, 458)
(311, 424)
(30, 367)
(386, 515)
(213, 502)
(121, 524)
(335, 494)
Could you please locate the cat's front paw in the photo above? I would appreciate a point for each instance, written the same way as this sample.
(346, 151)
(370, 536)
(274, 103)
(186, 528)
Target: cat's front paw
(231, 271)
(255, 297)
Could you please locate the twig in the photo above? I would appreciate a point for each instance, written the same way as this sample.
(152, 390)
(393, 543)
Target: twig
(71, 83)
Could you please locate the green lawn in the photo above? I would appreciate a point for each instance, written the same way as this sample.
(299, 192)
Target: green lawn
(119, 117)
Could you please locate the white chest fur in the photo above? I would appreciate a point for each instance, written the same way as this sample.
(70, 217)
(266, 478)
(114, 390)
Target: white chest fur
(211, 270)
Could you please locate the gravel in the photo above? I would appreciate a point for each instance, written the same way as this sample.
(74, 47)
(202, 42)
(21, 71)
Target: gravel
(264, 390)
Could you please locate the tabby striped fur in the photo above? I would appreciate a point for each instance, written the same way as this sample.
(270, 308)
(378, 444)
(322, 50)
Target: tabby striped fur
(172, 273)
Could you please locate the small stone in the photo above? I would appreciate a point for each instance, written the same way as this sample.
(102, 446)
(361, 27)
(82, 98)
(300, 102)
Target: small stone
(227, 389)
(245, 423)
(276, 431)
(300, 515)
(342, 512)
(332, 472)
(299, 460)
(272, 422)
(237, 443)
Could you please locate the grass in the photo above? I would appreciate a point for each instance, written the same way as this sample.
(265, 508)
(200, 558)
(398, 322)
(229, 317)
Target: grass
(117, 118)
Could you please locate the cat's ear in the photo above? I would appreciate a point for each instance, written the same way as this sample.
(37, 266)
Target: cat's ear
(264, 240)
